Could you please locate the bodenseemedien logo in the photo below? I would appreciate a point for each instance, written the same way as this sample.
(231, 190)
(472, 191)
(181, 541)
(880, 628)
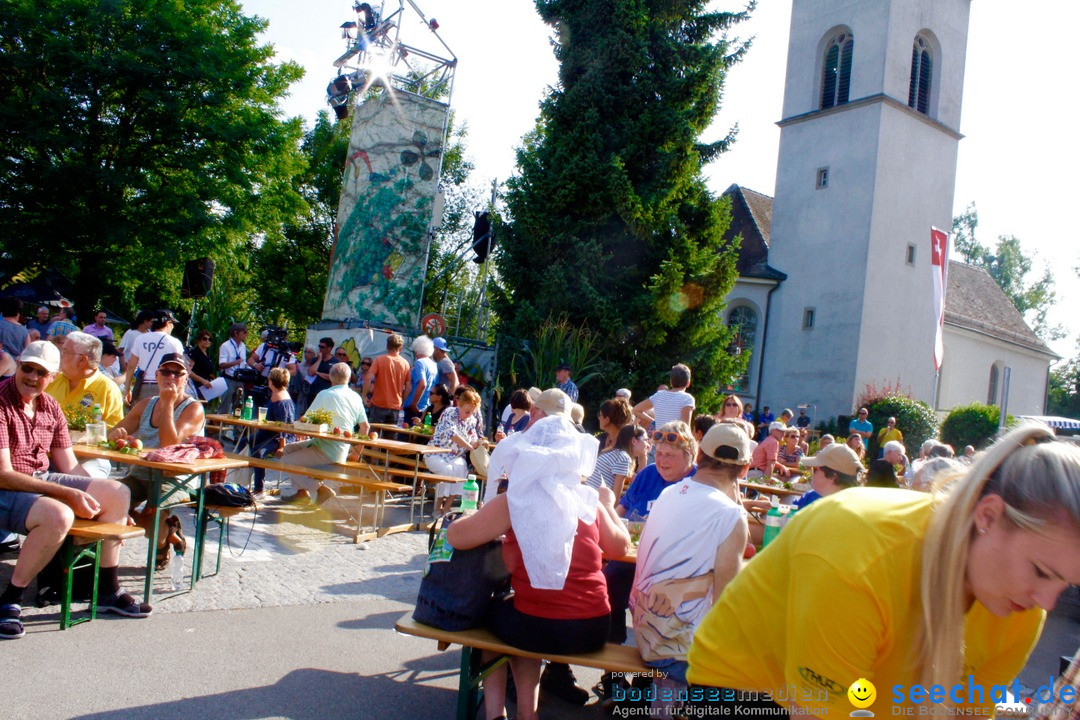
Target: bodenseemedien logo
(862, 695)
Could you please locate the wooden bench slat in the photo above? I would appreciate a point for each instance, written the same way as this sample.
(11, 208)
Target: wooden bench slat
(330, 475)
(617, 658)
(92, 530)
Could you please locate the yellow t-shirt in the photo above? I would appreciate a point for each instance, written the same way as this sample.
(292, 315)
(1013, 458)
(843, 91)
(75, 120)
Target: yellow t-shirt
(95, 389)
(835, 598)
(886, 435)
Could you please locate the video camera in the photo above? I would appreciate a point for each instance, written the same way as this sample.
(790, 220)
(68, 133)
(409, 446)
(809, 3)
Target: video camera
(278, 339)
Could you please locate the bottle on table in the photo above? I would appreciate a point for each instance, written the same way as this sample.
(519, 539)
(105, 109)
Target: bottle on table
(773, 521)
(470, 494)
(249, 406)
(427, 420)
(95, 413)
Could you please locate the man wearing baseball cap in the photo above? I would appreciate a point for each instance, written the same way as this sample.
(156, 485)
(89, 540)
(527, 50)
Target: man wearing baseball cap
(447, 373)
(41, 504)
(763, 463)
(836, 468)
(691, 547)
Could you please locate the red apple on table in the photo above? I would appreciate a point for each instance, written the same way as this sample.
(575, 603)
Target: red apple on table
(374, 435)
(136, 443)
(337, 430)
(347, 433)
(121, 443)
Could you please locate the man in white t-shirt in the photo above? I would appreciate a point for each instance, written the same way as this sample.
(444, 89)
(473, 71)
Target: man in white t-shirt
(669, 405)
(127, 343)
(265, 358)
(447, 372)
(147, 352)
(691, 547)
(232, 357)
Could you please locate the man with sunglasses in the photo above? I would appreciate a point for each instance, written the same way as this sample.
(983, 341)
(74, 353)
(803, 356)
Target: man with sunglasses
(41, 504)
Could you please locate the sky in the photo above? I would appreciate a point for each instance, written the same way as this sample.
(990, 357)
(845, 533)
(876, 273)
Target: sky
(1019, 151)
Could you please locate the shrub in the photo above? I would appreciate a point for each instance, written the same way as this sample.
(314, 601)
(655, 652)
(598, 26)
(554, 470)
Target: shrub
(975, 424)
(914, 418)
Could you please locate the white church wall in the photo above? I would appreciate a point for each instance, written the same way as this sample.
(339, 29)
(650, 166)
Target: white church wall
(965, 372)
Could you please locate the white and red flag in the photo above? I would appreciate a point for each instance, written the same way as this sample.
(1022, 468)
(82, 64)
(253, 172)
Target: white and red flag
(939, 264)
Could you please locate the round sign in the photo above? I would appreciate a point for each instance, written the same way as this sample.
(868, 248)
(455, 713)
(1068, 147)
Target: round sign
(433, 325)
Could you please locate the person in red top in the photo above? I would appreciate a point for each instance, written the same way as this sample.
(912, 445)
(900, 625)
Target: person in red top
(560, 603)
(386, 383)
(40, 504)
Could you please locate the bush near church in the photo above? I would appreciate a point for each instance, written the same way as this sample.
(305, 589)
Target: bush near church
(975, 424)
(914, 419)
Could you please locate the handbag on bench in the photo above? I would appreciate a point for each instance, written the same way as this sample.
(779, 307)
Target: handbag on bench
(458, 585)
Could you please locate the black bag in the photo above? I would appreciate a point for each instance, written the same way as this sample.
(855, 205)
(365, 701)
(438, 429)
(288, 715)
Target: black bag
(457, 585)
(50, 581)
(248, 376)
(227, 495)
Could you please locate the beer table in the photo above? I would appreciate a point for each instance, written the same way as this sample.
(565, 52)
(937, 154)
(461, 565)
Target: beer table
(166, 481)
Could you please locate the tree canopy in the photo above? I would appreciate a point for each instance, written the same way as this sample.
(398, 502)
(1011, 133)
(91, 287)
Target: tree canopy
(609, 221)
(137, 135)
(1010, 266)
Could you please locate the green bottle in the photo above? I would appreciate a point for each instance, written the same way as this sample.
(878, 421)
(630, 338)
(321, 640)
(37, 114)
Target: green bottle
(470, 494)
(773, 522)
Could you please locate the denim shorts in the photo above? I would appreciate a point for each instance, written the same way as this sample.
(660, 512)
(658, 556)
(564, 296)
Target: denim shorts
(15, 505)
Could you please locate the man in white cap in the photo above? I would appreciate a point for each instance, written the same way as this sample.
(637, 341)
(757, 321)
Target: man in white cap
(690, 549)
(763, 463)
(447, 373)
(41, 504)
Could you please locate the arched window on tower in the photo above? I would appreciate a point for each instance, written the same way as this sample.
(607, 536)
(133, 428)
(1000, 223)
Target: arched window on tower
(992, 386)
(744, 321)
(836, 74)
(922, 66)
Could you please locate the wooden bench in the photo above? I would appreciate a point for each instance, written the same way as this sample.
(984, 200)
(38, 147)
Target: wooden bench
(87, 534)
(614, 658)
(378, 487)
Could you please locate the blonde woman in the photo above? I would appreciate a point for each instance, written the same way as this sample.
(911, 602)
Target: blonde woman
(904, 588)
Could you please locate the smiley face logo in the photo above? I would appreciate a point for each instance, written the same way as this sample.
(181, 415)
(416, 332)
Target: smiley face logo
(862, 693)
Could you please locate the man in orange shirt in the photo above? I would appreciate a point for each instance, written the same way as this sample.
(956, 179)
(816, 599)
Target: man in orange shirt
(386, 383)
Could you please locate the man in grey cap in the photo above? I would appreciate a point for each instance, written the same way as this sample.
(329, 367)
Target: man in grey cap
(447, 372)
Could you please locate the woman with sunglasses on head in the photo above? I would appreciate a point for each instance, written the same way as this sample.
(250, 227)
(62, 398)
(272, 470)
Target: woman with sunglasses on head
(947, 589)
(168, 418)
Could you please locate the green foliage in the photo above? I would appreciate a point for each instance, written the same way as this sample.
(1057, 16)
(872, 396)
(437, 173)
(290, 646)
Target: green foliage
(290, 267)
(556, 342)
(139, 135)
(1009, 266)
(1064, 390)
(975, 424)
(914, 418)
(609, 221)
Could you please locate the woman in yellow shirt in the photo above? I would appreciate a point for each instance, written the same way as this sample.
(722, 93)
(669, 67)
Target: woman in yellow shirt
(903, 589)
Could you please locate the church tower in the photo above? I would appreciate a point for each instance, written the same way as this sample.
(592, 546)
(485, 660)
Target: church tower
(867, 164)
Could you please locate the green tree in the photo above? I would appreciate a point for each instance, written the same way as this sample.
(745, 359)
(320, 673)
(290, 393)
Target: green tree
(1063, 392)
(610, 222)
(1009, 266)
(290, 267)
(139, 134)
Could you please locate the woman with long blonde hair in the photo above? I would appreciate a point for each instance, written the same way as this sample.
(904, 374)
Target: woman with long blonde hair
(900, 588)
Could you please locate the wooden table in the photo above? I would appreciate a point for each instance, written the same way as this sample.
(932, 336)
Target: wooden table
(778, 490)
(386, 446)
(178, 477)
(412, 432)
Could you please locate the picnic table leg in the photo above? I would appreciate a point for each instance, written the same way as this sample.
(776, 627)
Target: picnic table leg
(468, 685)
(155, 528)
(200, 523)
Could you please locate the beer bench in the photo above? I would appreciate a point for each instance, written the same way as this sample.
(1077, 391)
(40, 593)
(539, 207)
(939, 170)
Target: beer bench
(613, 658)
(88, 535)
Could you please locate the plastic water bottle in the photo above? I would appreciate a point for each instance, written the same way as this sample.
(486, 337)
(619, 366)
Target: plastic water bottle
(773, 521)
(427, 420)
(470, 494)
(95, 413)
(176, 566)
(249, 406)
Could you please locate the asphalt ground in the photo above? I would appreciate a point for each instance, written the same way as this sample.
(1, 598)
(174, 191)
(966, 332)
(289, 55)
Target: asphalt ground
(299, 625)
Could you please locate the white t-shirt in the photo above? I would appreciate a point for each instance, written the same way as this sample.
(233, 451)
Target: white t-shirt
(668, 405)
(687, 524)
(231, 351)
(150, 348)
(127, 342)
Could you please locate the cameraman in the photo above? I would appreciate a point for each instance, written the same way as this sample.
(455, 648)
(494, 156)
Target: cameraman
(273, 352)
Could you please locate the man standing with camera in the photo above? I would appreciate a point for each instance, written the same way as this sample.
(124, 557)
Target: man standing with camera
(273, 352)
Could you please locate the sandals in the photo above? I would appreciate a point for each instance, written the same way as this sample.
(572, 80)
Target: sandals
(175, 537)
(11, 627)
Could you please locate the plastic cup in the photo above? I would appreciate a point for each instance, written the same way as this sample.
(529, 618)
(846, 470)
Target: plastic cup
(262, 414)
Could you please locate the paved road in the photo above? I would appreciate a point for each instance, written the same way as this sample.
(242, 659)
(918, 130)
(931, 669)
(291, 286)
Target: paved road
(299, 626)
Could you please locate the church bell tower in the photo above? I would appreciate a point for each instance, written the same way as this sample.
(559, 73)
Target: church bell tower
(867, 165)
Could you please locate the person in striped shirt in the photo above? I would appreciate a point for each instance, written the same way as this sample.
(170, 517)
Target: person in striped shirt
(669, 405)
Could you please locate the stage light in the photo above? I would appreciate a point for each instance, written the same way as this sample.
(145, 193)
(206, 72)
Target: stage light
(348, 30)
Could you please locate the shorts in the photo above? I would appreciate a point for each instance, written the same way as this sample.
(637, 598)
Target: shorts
(15, 505)
(139, 486)
(546, 635)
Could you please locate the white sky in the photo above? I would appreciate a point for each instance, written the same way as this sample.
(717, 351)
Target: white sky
(1020, 143)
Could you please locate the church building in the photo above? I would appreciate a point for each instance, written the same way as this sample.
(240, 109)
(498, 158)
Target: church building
(836, 286)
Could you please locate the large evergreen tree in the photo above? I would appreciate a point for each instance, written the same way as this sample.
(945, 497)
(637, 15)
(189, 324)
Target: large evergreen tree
(136, 135)
(610, 222)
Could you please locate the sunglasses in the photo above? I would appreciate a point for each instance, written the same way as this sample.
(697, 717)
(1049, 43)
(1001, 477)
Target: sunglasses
(672, 438)
(28, 369)
(731, 404)
(172, 373)
(365, 364)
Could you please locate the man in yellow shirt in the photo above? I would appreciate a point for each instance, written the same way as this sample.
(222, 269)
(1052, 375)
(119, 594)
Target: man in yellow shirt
(81, 382)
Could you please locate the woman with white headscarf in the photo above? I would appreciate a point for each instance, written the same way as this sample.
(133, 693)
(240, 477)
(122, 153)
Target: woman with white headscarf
(556, 531)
